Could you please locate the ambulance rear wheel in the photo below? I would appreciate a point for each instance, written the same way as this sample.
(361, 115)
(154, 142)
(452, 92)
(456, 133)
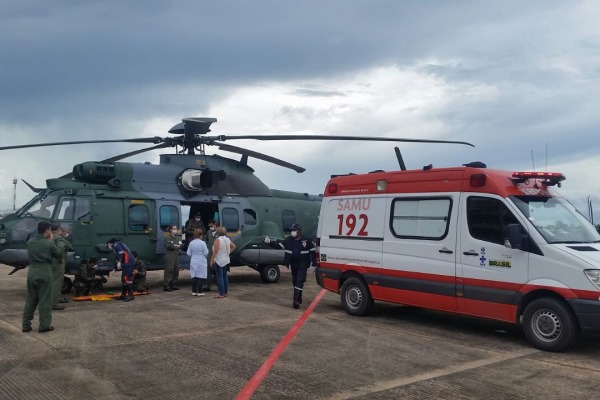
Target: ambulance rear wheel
(356, 298)
(549, 324)
(67, 285)
(270, 273)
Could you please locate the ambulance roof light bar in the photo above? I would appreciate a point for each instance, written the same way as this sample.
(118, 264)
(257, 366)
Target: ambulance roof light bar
(549, 178)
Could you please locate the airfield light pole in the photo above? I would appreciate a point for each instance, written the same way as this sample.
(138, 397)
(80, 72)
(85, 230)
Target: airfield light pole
(14, 193)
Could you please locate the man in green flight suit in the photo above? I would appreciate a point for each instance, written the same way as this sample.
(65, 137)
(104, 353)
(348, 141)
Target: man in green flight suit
(41, 251)
(59, 235)
(171, 274)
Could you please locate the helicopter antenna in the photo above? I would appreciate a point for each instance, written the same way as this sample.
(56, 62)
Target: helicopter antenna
(14, 193)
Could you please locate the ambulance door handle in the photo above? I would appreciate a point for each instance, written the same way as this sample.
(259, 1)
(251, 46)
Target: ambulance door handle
(445, 251)
(470, 253)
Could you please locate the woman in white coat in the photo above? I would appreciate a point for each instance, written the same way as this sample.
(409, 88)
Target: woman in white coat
(198, 251)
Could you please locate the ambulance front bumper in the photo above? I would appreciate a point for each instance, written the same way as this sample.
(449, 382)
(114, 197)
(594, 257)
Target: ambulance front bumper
(587, 313)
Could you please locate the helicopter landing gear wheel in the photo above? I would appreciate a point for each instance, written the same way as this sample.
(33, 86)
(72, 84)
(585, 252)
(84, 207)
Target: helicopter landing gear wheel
(67, 285)
(270, 273)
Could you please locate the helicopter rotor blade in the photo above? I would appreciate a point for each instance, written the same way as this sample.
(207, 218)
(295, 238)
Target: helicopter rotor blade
(122, 156)
(154, 139)
(331, 137)
(260, 156)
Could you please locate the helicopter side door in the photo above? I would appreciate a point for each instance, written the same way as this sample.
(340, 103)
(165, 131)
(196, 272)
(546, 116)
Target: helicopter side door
(140, 233)
(75, 212)
(229, 217)
(168, 213)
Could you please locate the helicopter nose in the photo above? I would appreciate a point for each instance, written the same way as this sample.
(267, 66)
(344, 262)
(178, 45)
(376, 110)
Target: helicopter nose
(14, 257)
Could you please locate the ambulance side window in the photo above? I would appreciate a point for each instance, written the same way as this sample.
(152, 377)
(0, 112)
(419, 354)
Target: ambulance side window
(487, 217)
(421, 218)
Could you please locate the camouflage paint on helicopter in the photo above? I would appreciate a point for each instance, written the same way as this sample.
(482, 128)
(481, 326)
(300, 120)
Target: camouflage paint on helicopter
(138, 202)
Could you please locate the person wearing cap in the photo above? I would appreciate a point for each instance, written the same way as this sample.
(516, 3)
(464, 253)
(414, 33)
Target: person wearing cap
(125, 261)
(300, 254)
(41, 251)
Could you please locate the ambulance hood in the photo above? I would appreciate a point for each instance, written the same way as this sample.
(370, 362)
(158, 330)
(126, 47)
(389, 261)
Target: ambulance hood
(588, 252)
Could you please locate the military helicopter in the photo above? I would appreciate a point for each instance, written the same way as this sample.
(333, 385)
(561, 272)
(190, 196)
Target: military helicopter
(138, 202)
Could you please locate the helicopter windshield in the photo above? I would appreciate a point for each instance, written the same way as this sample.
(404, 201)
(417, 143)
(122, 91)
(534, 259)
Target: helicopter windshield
(40, 206)
(556, 219)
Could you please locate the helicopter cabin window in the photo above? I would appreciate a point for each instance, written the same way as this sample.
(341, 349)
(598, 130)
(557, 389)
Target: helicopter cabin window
(249, 217)
(139, 217)
(169, 216)
(288, 217)
(230, 219)
(74, 209)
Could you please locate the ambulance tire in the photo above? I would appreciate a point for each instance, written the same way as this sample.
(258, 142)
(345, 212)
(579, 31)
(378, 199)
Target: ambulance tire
(549, 324)
(356, 298)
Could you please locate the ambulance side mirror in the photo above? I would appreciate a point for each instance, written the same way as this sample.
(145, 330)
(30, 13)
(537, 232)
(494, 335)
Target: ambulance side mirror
(514, 236)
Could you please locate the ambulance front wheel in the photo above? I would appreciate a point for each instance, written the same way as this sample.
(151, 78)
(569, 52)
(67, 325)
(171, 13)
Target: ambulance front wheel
(549, 324)
(356, 298)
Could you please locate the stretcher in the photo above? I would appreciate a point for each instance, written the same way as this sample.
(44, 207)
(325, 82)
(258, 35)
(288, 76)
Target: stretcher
(106, 296)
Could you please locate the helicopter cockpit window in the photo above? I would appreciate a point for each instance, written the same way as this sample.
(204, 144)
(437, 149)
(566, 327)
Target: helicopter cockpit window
(43, 208)
(249, 217)
(169, 216)
(66, 210)
(82, 209)
(230, 219)
(138, 217)
(288, 218)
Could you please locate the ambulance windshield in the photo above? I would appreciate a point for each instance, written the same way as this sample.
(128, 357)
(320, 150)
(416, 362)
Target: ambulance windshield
(556, 219)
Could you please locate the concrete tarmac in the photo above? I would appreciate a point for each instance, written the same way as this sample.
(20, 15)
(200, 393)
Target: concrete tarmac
(172, 345)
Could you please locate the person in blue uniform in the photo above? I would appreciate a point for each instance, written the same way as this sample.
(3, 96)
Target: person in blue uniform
(300, 254)
(125, 262)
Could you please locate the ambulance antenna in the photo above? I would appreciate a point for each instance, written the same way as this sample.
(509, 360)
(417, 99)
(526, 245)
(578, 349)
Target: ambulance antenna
(546, 168)
(400, 160)
(532, 161)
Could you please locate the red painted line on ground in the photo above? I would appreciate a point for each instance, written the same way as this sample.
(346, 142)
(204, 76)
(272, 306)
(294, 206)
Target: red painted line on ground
(261, 373)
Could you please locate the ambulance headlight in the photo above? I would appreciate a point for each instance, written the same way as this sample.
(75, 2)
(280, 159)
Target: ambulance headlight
(594, 276)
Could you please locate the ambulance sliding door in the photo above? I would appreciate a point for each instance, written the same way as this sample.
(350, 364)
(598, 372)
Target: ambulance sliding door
(419, 257)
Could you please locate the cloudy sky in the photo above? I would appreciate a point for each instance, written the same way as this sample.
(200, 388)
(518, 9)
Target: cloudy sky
(519, 80)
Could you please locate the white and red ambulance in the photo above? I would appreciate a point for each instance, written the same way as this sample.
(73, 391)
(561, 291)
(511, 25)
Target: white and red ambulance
(467, 240)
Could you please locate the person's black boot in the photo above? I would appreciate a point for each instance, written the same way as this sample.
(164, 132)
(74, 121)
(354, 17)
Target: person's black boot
(123, 295)
(299, 296)
(295, 303)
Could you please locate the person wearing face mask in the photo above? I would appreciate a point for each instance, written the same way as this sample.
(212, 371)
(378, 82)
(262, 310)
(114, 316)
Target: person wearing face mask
(171, 273)
(190, 227)
(300, 254)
